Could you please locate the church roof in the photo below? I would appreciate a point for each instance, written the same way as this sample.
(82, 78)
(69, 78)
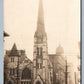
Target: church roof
(14, 51)
(40, 24)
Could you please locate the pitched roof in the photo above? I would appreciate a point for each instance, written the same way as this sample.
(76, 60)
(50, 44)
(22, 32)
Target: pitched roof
(14, 51)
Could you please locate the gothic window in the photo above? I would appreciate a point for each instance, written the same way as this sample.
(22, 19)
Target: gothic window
(26, 73)
(12, 70)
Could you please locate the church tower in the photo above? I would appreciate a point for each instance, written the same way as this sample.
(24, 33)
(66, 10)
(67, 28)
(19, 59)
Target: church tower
(40, 54)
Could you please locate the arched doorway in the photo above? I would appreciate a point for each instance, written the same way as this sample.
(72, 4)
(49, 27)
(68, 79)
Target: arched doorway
(9, 82)
(38, 82)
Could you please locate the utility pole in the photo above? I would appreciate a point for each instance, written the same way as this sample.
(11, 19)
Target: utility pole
(18, 70)
(66, 73)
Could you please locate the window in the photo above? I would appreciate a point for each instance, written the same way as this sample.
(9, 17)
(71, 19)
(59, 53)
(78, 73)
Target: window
(26, 73)
(41, 49)
(12, 59)
(12, 71)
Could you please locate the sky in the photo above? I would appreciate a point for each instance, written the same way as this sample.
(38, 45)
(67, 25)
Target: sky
(62, 24)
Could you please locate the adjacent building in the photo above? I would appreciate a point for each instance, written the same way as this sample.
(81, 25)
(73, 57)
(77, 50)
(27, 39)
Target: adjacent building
(59, 66)
(71, 79)
(17, 67)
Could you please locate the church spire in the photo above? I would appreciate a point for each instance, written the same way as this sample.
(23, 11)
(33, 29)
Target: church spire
(40, 13)
(40, 22)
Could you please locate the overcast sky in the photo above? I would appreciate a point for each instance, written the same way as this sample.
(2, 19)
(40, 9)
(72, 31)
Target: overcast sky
(62, 24)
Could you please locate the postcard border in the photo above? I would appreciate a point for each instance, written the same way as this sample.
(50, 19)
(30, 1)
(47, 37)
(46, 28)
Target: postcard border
(1, 42)
(82, 41)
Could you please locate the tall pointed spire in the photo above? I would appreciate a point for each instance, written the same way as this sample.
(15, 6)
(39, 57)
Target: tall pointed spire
(40, 23)
(40, 13)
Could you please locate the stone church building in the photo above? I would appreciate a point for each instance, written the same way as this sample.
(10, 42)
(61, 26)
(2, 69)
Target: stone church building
(44, 69)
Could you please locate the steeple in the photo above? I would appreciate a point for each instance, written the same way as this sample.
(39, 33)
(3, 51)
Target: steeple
(40, 13)
(40, 23)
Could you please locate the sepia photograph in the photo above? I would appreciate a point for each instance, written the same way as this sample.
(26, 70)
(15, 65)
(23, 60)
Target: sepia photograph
(42, 42)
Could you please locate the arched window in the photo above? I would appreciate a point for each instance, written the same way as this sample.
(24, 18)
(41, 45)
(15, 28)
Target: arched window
(26, 73)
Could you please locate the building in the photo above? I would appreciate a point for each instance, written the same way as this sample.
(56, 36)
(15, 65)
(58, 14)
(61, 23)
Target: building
(59, 65)
(17, 67)
(43, 71)
(5, 34)
(70, 74)
(45, 68)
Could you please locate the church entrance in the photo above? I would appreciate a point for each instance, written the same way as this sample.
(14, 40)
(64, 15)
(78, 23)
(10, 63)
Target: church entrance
(38, 82)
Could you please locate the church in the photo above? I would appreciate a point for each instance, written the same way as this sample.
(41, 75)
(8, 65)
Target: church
(44, 69)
